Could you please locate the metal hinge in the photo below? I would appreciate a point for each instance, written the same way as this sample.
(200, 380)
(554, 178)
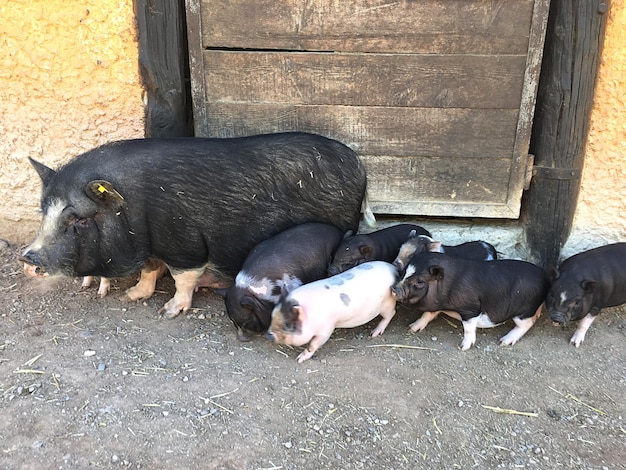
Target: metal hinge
(537, 171)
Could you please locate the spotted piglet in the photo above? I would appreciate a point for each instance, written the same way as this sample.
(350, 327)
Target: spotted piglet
(310, 313)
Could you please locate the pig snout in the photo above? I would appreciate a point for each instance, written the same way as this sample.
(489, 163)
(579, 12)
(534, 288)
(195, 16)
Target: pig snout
(559, 317)
(269, 335)
(398, 291)
(33, 265)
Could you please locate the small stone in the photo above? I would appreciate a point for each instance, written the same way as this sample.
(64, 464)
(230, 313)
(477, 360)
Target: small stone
(101, 367)
(185, 379)
(434, 338)
(89, 353)
(114, 458)
(460, 404)
(288, 444)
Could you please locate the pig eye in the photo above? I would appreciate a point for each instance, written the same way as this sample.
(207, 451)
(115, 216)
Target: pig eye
(78, 223)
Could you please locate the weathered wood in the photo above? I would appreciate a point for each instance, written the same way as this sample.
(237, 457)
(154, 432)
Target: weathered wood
(444, 186)
(196, 66)
(435, 84)
(424, 26)
(573, 48)
(372, 130)
(429, 80)
(162, 65)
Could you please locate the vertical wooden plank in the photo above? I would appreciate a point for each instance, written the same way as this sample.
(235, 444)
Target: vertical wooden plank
(196, 66)
(162, 64)
(568, 76)
(536, 43)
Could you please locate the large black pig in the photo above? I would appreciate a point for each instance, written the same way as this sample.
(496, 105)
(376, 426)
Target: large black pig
(584, 284)
(198, 204)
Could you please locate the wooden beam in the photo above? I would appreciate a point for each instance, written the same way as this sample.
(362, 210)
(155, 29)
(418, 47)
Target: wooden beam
(568, 75)
(163, 66)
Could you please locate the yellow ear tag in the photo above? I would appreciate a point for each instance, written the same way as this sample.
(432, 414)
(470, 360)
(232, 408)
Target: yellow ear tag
(102, 189)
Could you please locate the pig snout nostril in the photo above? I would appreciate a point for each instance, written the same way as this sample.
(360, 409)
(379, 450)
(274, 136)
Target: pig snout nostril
(558, 317)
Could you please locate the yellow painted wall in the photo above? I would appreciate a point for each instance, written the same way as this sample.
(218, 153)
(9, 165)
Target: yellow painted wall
(601, 210)
(69, 81)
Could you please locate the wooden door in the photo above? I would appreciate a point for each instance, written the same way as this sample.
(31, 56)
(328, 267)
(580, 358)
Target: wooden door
(436, 96)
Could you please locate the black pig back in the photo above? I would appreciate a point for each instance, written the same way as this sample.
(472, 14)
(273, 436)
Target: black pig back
(193, 200)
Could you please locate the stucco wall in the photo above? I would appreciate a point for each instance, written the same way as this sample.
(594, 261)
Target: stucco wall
(601, 210)
(68, 82)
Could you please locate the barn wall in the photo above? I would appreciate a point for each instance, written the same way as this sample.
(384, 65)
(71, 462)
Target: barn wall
(68, 82)
(601, 210)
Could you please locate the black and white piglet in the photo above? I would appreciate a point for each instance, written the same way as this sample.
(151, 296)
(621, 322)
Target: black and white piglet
(477, 250)
(584, 284)
(481, 294)
(297, 256)
(381, 245)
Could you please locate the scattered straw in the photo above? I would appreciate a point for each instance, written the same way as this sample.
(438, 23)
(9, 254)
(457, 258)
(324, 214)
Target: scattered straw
(400, 346)
(219, 395)
(436, 427)
(221, 407)
(578, 400)
(28, 371)
(497, 409)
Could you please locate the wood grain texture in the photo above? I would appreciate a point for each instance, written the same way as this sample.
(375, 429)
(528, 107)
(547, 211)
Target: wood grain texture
(424, 26)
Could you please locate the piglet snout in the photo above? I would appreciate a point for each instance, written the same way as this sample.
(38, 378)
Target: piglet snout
(269, 335)
(558, 317)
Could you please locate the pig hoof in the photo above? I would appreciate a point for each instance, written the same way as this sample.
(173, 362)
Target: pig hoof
(416, 326)
(134, 294)
(465, 345)
(303, 356)
(172, 309)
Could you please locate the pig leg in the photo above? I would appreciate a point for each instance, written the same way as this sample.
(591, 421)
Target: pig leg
(521, 327)
(387, 315)
(424, 320)
(185, 282)
(87, 280)
(469, 333)
(583, 326)
(150, 273)
(104, 287)
(315, 343)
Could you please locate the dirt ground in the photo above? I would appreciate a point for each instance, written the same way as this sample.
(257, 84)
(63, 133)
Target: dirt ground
(101, 383)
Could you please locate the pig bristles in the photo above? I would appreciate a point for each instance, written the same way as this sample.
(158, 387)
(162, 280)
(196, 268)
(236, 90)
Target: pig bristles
(497, 409)
(578, 400)
(401, 346)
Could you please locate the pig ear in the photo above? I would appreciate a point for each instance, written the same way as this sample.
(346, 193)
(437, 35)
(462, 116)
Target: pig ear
(588, 286)
(104, 192)
(434, 246)
(45, 173)
(366, 250)
(349, 233)
(293, 318)
(436, 272)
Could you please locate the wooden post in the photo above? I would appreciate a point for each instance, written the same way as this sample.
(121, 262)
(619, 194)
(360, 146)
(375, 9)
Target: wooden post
(163, 66)
(568, 75)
